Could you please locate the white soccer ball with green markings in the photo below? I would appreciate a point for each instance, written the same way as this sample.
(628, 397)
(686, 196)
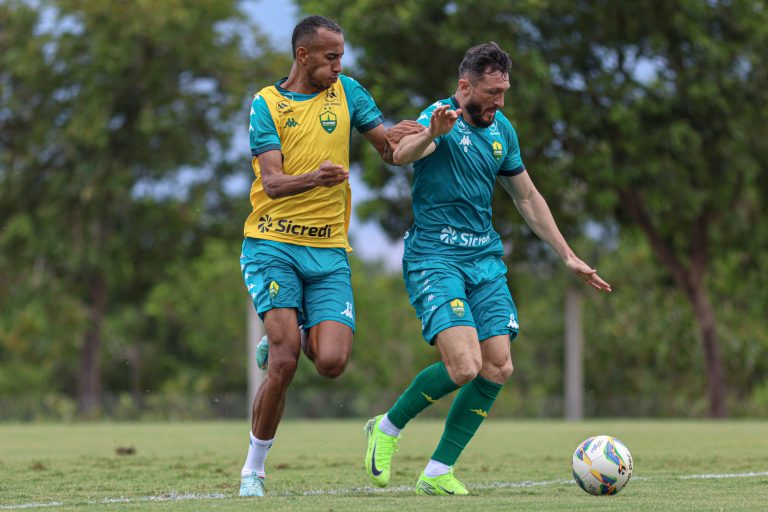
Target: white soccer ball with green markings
(602, 465)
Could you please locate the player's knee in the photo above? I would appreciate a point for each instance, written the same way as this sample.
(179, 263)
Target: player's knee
(282, 369)
(505, 371)
(330, 367)
(499, 372)
(463, 372)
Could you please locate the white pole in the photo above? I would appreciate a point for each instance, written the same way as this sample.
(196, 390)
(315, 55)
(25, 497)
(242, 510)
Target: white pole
(574, 356)
(255, 376)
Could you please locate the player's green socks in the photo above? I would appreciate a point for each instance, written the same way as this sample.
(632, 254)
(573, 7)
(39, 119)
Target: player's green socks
(429, 386)
(468, 411)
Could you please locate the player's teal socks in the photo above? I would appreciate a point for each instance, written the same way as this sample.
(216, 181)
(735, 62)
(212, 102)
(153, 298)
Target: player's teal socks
(429, 386)
(468, 411)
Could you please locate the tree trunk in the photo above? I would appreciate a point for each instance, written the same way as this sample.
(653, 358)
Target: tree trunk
(690, 279)
(89, 378)
(705, 318)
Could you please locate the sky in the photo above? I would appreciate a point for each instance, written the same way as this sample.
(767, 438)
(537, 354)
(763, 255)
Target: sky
(277, 19)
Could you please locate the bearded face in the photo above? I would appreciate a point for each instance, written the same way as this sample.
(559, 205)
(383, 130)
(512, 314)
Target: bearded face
(483, 96)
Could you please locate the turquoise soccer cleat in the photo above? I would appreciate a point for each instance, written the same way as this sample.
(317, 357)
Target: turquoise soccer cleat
(262, 353)
(252, 485)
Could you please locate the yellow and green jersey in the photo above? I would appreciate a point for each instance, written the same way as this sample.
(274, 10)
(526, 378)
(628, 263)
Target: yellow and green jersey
(307, 129)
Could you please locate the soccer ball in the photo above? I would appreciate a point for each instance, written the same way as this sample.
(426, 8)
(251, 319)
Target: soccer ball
(602, 465)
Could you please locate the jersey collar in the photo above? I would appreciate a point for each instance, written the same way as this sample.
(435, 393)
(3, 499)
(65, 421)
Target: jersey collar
(293, 96)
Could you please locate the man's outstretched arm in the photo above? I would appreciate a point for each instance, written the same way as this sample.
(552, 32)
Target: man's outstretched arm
(534, 209)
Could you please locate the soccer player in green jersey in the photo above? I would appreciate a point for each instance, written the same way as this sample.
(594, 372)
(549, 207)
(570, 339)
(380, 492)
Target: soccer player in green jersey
(452, 264)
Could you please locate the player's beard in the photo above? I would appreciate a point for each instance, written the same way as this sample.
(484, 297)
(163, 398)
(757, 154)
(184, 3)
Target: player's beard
(475, 112)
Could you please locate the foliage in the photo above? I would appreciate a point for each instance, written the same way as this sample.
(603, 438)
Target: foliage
(117, 146)
(107, 111)
(647, 116)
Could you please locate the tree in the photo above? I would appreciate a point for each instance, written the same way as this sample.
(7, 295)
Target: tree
(664, 105)
(105, 109)
(651, 115)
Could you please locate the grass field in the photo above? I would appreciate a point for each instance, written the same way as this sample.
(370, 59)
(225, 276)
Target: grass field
(317, 465)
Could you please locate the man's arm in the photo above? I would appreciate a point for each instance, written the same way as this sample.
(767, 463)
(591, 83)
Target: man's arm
(419, 145)
(278, 184)
(386, 140)
(534, 209)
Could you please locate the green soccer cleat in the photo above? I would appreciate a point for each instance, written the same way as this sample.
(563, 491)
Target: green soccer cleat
(381, 448)
(262, 353)
(443, 485)
(252, 485)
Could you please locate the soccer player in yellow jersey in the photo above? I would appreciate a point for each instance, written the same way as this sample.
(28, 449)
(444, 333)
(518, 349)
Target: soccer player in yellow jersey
(294, 257)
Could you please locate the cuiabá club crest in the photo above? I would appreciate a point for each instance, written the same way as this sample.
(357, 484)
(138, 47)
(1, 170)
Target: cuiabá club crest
(328, 121)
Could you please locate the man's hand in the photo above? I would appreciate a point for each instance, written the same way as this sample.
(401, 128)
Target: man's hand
(329, 174)
(442, 120)
(400, 130)
(589, 275)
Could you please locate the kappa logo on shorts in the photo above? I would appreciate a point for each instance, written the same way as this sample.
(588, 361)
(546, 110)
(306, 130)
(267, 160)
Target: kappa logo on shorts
(457, 306)
(512, 322)
(347, 312)
(274, 289)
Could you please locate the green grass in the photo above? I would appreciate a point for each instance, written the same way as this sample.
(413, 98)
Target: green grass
(78, 466)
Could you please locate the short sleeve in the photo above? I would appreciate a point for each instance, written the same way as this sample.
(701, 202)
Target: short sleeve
(363, 112)
(513, 162)
(262, 131)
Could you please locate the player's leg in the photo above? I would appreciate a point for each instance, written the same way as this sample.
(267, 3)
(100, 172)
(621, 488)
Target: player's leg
(328, 310)
(269, 403)
(437, 294)
(496, 317)
(276, 291)
(262, 350)
(461, 354)
(468, 411)
(328, 346)
(285, 347)
(460, 363)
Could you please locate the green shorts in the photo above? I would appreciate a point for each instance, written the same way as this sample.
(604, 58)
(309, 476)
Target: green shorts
(314, 281)
(447, 293)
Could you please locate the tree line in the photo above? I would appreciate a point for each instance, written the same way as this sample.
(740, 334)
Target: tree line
(642, 123)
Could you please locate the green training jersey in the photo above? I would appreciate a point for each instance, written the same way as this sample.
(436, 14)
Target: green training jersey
(453, 186)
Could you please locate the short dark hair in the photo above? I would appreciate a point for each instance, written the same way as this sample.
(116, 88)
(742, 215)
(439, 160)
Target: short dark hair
(308, 27)
(484, 58)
